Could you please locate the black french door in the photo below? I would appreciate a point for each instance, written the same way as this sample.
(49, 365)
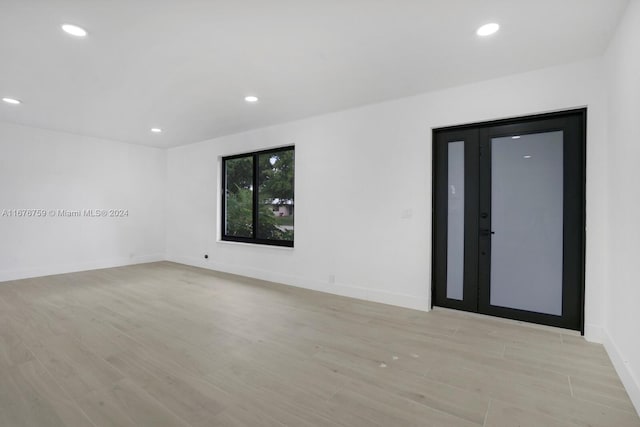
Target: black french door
(509, 218)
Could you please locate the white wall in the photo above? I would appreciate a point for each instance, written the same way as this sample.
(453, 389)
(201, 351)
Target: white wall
(622, 330)
(357, 171)
(41, 169)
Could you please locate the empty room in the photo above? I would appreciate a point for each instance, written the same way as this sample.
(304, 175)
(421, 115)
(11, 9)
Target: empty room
(319, 213)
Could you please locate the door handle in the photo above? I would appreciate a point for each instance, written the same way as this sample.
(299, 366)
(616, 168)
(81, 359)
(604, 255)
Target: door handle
(486, 232)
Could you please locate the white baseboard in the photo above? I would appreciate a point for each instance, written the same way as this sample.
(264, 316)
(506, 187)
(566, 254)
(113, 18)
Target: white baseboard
(624, 370)
(8, 275)
(342, 289)
(593, 333)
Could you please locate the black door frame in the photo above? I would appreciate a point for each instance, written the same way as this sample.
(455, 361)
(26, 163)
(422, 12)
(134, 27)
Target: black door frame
(476, 286)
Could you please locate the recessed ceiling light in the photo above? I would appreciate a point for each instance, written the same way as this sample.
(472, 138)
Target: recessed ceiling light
(251, 98)
(74, 30)
(515, 137)
(12, 101)
(526, 157)
(488, 29)
(156, 130)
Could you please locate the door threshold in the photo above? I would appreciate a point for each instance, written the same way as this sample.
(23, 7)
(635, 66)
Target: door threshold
(530, 325)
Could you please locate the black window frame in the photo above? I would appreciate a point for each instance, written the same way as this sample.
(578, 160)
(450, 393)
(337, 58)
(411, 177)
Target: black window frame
(256, 198)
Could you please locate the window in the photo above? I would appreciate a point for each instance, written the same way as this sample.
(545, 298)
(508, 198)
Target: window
(257, 199)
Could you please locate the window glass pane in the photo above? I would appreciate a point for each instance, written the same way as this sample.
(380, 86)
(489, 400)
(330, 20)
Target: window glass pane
(275, 195)
(239, 197)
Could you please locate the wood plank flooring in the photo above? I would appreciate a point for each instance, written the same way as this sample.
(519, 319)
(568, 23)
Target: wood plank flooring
(163, 344)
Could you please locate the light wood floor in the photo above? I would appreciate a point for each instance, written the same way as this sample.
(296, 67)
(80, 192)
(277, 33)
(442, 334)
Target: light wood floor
(167, 345)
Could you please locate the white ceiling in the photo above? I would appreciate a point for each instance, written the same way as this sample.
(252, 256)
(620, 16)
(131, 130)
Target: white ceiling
(186, 65)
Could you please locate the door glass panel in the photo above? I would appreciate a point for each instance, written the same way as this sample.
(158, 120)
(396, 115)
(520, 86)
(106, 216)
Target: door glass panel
(527, 221)
(455, 220)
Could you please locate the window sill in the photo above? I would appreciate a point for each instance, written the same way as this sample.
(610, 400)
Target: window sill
(260, 245)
